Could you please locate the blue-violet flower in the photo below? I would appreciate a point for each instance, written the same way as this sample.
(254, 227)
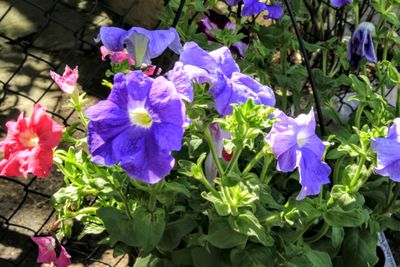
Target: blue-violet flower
(141, 44)
(388, 152)
(275, 11)
(219, 69)
(361, 44)
(295, 144)
(138, 126)
(250, 7)
(340, 3)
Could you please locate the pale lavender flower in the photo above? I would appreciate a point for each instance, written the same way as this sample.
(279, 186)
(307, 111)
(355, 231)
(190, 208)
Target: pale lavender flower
(141, 44)
(361, 44)
(295, 144)
(387, 150)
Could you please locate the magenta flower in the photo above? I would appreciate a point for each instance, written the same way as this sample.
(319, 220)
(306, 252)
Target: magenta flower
(48, 252)
(116, 57)
(388, 152)
(67, 82)
(295, 144)
(138, 126)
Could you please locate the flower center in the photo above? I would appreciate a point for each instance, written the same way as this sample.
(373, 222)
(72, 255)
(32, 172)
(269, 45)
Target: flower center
(140, 117)
(29, 140)
(301, 139)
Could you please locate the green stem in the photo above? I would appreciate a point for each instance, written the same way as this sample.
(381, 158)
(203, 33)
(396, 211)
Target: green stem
(324, 229)
(88, 210)
(324, 61)
(283, 59)
(358, 115)
(235, 158)
(213, 150)
(255, 159)
(272, 219)
(263, 176)
(336, 170)
(358, 172)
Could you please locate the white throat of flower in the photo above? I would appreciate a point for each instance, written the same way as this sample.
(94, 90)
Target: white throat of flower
(302, 138)
(140, 116)
(140, 44)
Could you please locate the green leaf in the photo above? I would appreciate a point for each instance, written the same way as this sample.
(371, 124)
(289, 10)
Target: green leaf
(151, 261)
(252, 256)
(337, 236)
(117, 225)
(247, 224)
(203, 258)
(221, 235)
(91, 228)
(359, 248)
(346, 218)
(175, 231)
(318, 258)
(148, 227)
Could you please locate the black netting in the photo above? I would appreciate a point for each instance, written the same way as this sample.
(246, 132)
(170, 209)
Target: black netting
(35, 37)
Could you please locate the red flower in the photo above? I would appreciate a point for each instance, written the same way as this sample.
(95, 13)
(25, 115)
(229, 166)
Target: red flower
(28, 147)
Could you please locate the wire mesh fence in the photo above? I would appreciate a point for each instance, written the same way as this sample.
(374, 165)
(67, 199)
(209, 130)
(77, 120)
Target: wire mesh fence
(36, 37)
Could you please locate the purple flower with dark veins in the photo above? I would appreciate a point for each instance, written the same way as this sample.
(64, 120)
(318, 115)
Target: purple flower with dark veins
(340, 3)
(138, 126)
(219, 69)
(142, 45)
(215, 21)
(388, 152)
(295, 144)
(361, 44)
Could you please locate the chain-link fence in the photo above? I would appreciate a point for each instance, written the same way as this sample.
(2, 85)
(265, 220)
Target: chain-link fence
(35, 37)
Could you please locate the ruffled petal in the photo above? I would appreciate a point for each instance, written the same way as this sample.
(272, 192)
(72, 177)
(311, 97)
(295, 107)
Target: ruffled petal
(313, 174)
(223, 58)
(253, 7)
(192, 54)
(111, 38)
(288, 160)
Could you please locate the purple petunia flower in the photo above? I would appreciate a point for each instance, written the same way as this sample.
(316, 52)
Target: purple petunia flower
(295, 144)
(340, 3)
(275, 11)
(219, 69)
(215, 21)
(138, 126)
(250, 7)
(388, 152)
(361, 44)
(141, 44)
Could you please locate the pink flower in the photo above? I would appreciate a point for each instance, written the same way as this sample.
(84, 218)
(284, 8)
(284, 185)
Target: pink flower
(28, 147)
(120, 56)
(48, 254)
(116, 57)
(66, 82)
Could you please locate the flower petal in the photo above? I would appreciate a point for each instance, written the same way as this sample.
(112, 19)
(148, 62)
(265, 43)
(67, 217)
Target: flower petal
(111, 38)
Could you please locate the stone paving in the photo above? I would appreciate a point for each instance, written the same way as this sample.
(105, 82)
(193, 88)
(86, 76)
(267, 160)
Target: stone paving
(37, 36)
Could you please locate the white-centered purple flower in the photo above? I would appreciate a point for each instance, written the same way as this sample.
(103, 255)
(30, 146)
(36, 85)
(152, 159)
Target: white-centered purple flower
(295, 144)
(141, 44)
(387, 150)
(340, 3)
(138, 126)
(219, 69)
(361, 44)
